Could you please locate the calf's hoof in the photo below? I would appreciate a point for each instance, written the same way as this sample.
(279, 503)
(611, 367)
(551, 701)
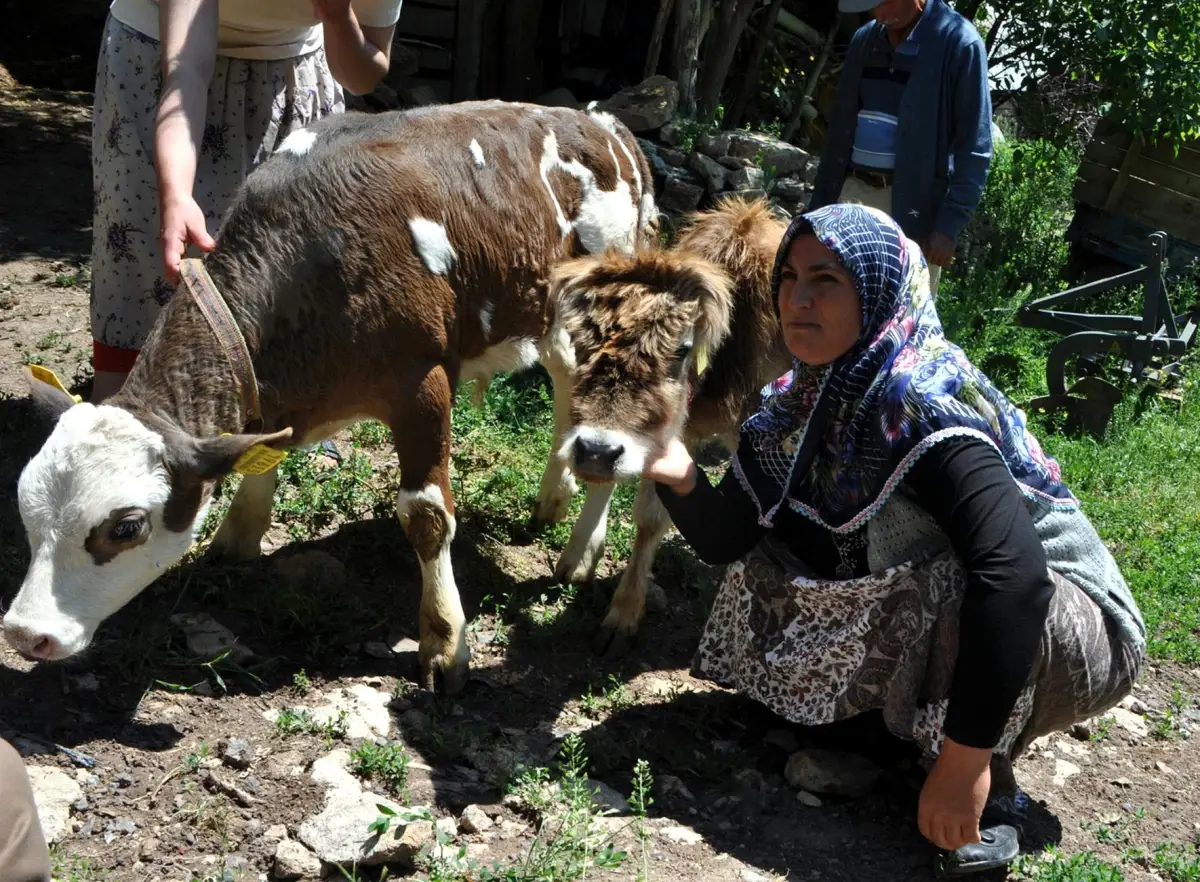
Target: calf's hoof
(444, 663)
(552, 510)
(612, 643)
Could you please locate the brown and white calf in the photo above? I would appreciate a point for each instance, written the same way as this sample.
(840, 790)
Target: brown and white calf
(632, 322)
(371, 264)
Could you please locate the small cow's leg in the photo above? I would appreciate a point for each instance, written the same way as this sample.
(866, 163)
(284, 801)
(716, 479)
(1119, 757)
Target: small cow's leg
(249, 517)
(558, 484)
(586, 547)
(425, 506)
(629, 601)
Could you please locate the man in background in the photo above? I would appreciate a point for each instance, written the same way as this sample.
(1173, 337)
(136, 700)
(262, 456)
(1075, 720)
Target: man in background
(910, 130)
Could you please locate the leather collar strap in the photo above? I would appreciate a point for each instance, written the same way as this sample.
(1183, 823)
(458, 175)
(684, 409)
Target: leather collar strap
(224, 327)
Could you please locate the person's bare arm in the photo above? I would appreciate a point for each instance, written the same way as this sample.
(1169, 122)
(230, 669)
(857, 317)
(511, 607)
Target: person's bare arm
(188, 47)
(358, 56)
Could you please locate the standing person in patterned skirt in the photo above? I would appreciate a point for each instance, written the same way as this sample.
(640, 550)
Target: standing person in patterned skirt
(899, 542)
(190, 96)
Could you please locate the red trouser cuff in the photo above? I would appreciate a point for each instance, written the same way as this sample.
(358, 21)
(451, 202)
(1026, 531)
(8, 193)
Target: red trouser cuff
(110, 358)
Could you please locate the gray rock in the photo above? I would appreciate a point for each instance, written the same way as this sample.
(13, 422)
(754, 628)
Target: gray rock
(808, 799)
(770, 153)
(607, 798)
(53, 792)
(207, 638)
(832, 772)
(124, 780)
(791, 190)
(118, 827)
(746, 179)
(239, 753)
(148, 850)
(672, 157)
(733, 163)
(673, 134)
(645, 107)
(751, 195)
(714, 146)
(275, 833)
(709, 170)
(809, 172)
(474, 820)
(650, 148)
(378, 649)
(339, 833)
(80, 805)
(294, 861)
(680, 196)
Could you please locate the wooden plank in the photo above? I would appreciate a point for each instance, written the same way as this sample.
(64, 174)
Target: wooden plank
(1154, 172)
(1156, 207)
(468, 49)
(665, 7)
(1118, 187)
(1187, 159)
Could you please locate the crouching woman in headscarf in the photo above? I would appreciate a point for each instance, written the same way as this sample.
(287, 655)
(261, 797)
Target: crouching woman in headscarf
(899, 542)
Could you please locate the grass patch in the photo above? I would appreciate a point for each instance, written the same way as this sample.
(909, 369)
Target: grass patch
(1053, 867)
(298, 721)
(387, 764)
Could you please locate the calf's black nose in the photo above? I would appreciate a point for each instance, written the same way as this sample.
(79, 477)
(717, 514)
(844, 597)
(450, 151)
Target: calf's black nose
(597, 451)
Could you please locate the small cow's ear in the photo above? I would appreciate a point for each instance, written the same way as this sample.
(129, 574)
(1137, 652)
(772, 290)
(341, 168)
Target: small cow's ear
(213, 458)
(50, 399)
(712, 289)
(196, 464)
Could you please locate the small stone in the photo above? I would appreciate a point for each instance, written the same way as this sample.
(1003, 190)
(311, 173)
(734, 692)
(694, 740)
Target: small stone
(714, 146)
(509, 829)
(684, 835)
(80, 805)
(377, 649)
(673, 134)
(446, 828)
(751, 876)
(832, 772)
(808, 799)
(239, 753)
(750, 781)
(474, 820)
(735, 163)
(607, 798)
(1121, 782)
(1135, 705)
(275, 833)
(679, 196)
(406, 645)
(649, 105)
(1164, 768)
(783, 158)
(1130, 722)
(294, 861)
(252, 785)
(148, 849)
(119, 827)
(1064, 770)
(124, 780)
(747, 179)
(53, 792)
(791, 190)
(1083, 731)
(671, 157)
(207, 638)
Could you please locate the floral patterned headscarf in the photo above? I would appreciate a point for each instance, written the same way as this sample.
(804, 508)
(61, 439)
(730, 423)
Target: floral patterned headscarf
(834, 441)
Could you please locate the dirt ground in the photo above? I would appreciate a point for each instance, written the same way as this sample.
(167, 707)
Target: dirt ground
(718, 760)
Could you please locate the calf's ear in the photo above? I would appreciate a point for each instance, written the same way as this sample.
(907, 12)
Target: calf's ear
(712, 289)
(48, 395)
(196, 464)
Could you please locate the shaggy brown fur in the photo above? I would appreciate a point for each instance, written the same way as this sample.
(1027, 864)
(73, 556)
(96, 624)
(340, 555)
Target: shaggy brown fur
(650, 314)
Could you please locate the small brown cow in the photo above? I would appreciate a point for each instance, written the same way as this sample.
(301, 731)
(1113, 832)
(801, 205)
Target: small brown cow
(371, 264)
(631, 319)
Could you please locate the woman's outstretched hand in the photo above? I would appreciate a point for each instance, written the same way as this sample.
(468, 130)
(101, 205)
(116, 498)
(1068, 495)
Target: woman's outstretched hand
(674, 468)
(954, 796)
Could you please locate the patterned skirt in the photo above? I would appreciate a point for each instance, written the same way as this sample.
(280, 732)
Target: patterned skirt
(252, 106)
(816, 651)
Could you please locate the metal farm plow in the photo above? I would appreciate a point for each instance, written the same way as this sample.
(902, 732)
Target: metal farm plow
(1150, 345)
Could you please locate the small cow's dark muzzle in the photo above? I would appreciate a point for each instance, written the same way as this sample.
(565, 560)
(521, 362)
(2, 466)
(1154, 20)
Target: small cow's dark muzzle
(595, 457)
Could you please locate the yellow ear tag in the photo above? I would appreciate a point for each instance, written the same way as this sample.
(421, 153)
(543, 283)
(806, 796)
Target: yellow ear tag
(701, 360)
(47, 376)
(258, 460)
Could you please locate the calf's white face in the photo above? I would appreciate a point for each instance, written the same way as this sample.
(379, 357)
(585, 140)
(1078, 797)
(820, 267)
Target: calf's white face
(108, 505)
(92, 501)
